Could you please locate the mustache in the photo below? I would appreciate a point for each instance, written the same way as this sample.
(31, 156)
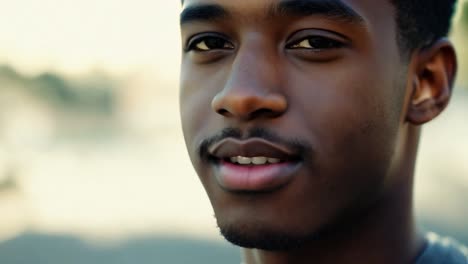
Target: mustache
(301, 147)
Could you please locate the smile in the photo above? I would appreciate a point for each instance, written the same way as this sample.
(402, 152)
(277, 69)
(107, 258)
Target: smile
(253, 160)
(254, 165)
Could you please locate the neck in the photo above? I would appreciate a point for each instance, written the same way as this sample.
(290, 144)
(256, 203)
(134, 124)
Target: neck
(385, 234)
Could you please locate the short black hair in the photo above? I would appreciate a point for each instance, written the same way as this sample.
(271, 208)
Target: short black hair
(422, 22)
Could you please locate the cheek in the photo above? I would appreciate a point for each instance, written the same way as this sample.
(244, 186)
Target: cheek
(195, 98)
(351, 98)
(353, 121)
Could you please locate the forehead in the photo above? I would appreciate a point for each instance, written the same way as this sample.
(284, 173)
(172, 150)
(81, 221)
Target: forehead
(367, 11)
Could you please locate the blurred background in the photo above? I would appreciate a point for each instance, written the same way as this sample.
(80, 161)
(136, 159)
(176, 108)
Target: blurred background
(93, 166)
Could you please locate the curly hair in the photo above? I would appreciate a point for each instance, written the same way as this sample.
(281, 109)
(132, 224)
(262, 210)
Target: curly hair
(422, 22)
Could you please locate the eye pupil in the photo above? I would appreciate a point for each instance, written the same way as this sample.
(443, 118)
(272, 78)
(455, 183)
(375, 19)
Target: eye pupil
(210, 43)
(318, 42)
(322, 43)
(215, 43)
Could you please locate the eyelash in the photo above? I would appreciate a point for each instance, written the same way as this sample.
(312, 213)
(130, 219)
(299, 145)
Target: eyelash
(192, 44)
(324, 43)
(321, 43)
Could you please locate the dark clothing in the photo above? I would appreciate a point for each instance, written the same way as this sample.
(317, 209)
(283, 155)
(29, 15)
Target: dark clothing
(441, 250)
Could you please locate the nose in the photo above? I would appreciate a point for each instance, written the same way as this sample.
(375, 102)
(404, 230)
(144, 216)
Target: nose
(252, 89)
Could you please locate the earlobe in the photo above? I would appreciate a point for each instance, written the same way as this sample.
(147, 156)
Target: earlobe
(433, 79)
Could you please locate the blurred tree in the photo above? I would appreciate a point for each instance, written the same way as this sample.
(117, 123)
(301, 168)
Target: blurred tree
(53, 88)
(464, 17)
(8, 181)
(8, 72)
(93, 94)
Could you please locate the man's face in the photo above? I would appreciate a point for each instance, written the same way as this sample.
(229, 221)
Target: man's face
(291, 112)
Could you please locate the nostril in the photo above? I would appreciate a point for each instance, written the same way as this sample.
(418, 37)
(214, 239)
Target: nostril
(263, 112)
(222, 112)
(248, 106)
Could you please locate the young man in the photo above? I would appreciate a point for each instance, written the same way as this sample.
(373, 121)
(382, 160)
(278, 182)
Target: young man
(302, 119)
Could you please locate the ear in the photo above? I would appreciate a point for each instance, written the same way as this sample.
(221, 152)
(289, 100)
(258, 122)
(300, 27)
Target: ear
(433, 79)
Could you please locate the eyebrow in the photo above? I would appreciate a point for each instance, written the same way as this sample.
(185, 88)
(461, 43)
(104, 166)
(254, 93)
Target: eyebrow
(208, 12)
(334, 9)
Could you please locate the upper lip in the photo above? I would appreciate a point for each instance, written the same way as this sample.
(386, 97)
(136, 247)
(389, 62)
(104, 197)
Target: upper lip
(255, 147)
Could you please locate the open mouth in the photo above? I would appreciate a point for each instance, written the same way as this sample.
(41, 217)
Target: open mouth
(252, 161)
(253, 165)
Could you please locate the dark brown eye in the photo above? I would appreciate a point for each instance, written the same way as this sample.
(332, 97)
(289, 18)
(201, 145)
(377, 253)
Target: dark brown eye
(316, 43)
(209, 43)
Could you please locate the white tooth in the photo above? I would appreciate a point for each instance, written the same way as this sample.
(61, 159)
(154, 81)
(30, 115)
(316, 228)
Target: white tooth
(244, 160)
(259, 160)
(234, 159)
(273, 160)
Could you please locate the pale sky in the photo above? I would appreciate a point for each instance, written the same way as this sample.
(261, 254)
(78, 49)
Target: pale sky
(77, 36)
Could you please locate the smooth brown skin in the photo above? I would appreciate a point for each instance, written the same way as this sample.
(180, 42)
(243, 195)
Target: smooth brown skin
(360, 107)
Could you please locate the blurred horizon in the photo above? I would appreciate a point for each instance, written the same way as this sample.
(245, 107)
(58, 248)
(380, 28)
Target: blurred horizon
(91, 151)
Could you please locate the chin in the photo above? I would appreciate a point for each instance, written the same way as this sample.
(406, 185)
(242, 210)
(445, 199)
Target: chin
(260, 236)
(257, 229)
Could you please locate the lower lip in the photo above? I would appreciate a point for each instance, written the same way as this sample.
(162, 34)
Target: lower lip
(235, 177)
